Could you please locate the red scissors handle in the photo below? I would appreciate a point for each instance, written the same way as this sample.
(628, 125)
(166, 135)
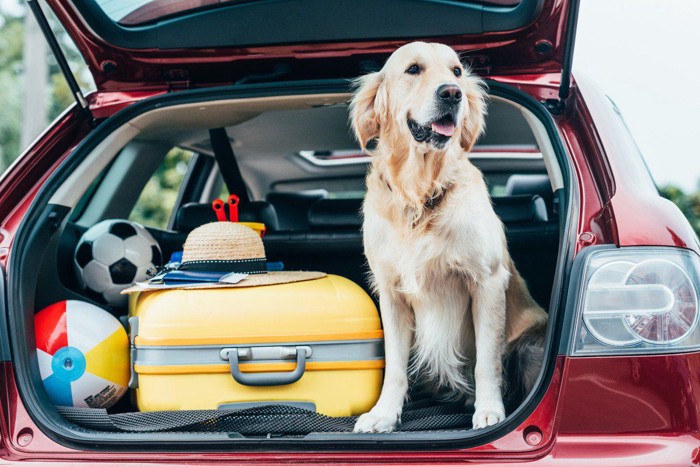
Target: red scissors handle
(233, 208)
(218, 207)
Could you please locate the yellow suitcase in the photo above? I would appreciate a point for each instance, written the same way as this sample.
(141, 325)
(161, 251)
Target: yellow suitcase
(317, 344)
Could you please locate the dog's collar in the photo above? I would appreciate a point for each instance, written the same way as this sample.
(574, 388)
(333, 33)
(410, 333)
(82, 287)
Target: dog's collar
(434, 201)
(431, 202)
(386, 182)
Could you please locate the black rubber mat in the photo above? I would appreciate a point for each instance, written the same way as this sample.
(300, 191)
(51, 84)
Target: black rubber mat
(259, 421)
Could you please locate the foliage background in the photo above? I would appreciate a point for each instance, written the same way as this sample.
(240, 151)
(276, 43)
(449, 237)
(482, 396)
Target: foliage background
(158, 196)
(10, 99)
(157, 200)
(689, 203)
(11, 87)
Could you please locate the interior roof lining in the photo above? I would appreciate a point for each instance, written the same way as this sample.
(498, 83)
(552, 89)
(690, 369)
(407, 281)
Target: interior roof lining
(231, 112)
(70, 192)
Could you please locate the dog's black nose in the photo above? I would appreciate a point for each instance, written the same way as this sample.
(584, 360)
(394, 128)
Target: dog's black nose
(449, 93)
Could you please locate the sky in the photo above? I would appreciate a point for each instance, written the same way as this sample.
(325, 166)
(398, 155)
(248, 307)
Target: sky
(644, 55)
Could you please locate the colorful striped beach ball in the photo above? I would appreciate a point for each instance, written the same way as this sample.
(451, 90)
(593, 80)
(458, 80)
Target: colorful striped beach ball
(83, 354)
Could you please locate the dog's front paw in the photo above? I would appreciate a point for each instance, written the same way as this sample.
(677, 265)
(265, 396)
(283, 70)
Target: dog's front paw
(378, 420)
(488, 415)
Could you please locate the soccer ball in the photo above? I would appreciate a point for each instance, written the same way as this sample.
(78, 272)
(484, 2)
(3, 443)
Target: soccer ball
(112, 255)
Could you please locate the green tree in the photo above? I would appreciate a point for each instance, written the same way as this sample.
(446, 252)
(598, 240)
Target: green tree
(11, 74)
(689, 204)
(11, 29)
(157, 200)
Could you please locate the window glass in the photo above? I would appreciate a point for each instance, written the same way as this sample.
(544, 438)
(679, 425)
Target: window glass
(627, 134)
(134, 12)
(157, 200)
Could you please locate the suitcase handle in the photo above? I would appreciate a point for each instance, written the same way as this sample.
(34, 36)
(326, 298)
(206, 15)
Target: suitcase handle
(267, 379)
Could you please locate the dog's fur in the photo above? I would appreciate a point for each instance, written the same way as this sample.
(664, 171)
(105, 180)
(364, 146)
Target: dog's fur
(448, 291)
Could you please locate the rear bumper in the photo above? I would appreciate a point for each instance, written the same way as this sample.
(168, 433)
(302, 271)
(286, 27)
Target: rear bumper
(571, 451)
(613, 411)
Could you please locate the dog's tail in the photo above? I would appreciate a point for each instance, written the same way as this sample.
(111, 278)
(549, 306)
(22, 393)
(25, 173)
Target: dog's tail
(523, 362)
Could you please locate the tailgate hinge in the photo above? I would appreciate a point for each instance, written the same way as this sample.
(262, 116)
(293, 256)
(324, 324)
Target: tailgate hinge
(554, 106)
(478, 64)
(177, 80)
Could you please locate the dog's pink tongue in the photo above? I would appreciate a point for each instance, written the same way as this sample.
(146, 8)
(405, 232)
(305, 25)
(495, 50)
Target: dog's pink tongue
(444, 129)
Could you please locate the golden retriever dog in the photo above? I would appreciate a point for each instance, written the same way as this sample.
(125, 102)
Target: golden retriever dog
(449, 294)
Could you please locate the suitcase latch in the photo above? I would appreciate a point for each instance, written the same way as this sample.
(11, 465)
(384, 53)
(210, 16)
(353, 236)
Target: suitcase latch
(266, 353)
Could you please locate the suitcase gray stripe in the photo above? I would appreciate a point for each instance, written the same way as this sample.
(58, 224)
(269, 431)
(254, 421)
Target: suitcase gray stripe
(326, 351)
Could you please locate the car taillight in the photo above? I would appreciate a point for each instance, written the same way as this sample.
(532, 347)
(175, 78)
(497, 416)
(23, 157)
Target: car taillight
(638, 300)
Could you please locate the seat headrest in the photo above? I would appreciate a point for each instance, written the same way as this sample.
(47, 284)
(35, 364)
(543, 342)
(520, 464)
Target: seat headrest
(293, 208)
(529, 184)
(275, 197)
(520, 209)
(346, 213)
(192, 215)
(336, 214)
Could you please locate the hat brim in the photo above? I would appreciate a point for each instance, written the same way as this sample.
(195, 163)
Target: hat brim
(252, 280)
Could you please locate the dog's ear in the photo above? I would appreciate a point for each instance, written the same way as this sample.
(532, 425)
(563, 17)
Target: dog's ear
(368, 108)
(475, 115)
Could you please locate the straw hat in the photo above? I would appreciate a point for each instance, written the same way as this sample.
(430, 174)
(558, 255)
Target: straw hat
(228, 247)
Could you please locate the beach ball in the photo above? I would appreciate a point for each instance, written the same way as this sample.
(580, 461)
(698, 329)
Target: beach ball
(83, 354)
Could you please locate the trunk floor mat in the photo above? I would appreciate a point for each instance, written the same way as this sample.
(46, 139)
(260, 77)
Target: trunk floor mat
(423, 415)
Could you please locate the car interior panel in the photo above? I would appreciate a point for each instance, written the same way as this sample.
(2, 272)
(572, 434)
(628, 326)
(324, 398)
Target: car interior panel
(317, 227)
(311, 208)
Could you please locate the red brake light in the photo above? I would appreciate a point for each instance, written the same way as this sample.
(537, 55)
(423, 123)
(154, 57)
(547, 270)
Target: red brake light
(678, 320)
(638, 300)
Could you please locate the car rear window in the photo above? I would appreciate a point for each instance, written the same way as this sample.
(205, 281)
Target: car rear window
(135, 12)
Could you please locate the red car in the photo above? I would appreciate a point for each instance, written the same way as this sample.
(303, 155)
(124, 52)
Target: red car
(615, 264)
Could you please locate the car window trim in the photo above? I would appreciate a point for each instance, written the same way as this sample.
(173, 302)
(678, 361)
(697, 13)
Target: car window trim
(192, 185)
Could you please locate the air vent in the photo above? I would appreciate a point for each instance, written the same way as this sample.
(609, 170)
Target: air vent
(335, 158)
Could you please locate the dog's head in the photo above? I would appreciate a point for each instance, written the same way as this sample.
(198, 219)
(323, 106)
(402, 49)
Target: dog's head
(422, 94)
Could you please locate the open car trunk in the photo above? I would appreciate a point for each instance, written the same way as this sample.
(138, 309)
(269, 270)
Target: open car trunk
(521, 156)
